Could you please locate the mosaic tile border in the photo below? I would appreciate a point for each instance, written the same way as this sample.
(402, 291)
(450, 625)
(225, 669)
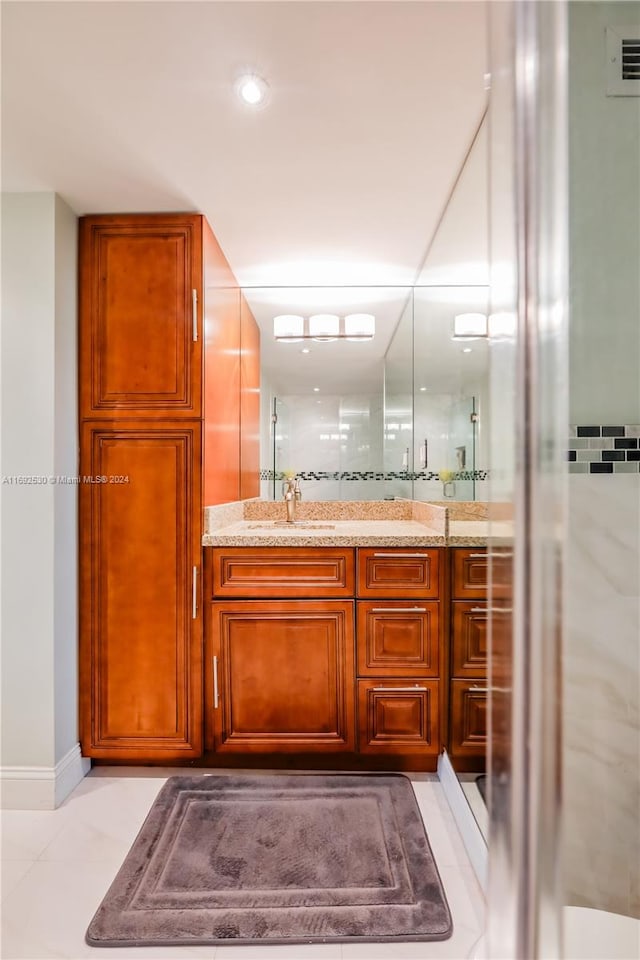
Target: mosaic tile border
(604, 449)
(373, 475)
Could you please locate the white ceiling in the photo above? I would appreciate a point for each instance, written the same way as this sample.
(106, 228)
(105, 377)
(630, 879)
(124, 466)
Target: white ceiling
(341, 178)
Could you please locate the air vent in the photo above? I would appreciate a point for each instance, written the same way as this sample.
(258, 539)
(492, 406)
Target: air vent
(623, 61)
(631, 59)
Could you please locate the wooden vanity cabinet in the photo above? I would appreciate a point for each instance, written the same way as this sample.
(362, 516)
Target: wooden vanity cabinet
(468, 665)
(279, 672)
(399, 651)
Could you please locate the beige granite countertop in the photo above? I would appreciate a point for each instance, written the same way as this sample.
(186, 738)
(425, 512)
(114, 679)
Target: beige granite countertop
(327, 533)
(381, 523)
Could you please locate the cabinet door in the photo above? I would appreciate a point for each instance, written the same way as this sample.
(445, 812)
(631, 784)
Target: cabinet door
(398, 716)
(141, 680)
(398, 638)
(280, 677)
(468, 727)
(139, 356)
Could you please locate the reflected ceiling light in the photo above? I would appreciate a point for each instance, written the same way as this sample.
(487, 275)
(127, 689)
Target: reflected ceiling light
(467, 326)
(324, 326)
(252, 89)
(467, 350)
(359, 326)
(288, 327)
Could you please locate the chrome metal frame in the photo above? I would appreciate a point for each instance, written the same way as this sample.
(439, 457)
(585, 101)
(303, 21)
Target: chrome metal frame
(529, 283)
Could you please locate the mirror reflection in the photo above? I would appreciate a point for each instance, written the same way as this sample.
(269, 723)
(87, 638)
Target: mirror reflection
(398, 414)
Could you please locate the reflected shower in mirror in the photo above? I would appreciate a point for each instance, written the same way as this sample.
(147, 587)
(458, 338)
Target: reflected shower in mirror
(396, 415)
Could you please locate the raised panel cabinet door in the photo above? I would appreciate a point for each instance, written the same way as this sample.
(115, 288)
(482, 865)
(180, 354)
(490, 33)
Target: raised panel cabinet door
(141, 316)
(398, 716)
(468, 726)
(398, 638)
(283, 677)
(401, 573)
(469, 573)
(469, 638)
(141, 616)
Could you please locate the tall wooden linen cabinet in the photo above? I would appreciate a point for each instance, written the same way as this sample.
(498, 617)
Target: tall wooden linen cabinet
(168, 380)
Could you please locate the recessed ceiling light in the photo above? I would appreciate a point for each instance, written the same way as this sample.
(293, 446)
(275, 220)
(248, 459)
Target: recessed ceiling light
(316, 389)
(422, 389)
(305, 350)
(252, 89)
(466, 350)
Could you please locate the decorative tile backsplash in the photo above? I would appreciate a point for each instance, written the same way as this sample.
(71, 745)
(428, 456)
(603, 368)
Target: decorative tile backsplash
(373, 475)
(604, 449)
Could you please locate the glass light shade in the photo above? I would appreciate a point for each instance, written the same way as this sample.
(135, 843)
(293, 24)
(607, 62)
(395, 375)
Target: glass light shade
(470, 325)
(324, 326)
(359, 326)
(288, 327)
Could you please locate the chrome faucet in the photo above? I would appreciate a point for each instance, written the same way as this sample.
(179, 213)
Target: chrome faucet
(292, 494)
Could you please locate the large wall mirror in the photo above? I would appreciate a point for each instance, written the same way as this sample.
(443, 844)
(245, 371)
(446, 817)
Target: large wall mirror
(405, 413)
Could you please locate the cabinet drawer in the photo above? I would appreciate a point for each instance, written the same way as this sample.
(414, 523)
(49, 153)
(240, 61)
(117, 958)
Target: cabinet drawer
(469, 638)
(283, 572)
(468, 728)
(399, 573)
(470, 574)
(398, 638)
(398, 717)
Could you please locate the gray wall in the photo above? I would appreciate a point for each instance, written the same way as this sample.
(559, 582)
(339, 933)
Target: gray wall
(39, 525)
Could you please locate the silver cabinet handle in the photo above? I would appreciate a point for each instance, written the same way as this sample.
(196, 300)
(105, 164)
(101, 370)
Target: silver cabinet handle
(477, 556)
(415, 689)
(194, 303)
(194, 594)
(479, 610)
(475, 689)
(398, 609)
(422, 555)
(216, 698)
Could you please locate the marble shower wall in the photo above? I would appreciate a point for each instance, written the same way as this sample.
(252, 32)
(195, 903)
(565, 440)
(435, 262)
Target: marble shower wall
(602, 694)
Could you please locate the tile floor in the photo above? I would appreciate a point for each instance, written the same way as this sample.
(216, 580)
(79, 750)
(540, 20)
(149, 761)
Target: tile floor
(57, 866)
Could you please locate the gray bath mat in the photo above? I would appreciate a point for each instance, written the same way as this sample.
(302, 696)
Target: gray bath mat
(276, 859)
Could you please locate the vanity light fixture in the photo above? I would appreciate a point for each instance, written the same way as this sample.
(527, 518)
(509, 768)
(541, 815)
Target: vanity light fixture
(324, 326)
(252, 89)
(290, 328)
(359, 326)
(469, 326)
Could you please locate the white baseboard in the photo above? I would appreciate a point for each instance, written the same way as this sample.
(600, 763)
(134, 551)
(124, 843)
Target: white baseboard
(42, 788)
(470, 832)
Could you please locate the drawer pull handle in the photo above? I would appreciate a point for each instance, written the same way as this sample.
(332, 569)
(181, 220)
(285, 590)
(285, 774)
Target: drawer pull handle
(216, 698)
(475, 689)
(415, 689)
(398, 609)
(423, 556)
(194, 594)
(479, 610)
(477, 556)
